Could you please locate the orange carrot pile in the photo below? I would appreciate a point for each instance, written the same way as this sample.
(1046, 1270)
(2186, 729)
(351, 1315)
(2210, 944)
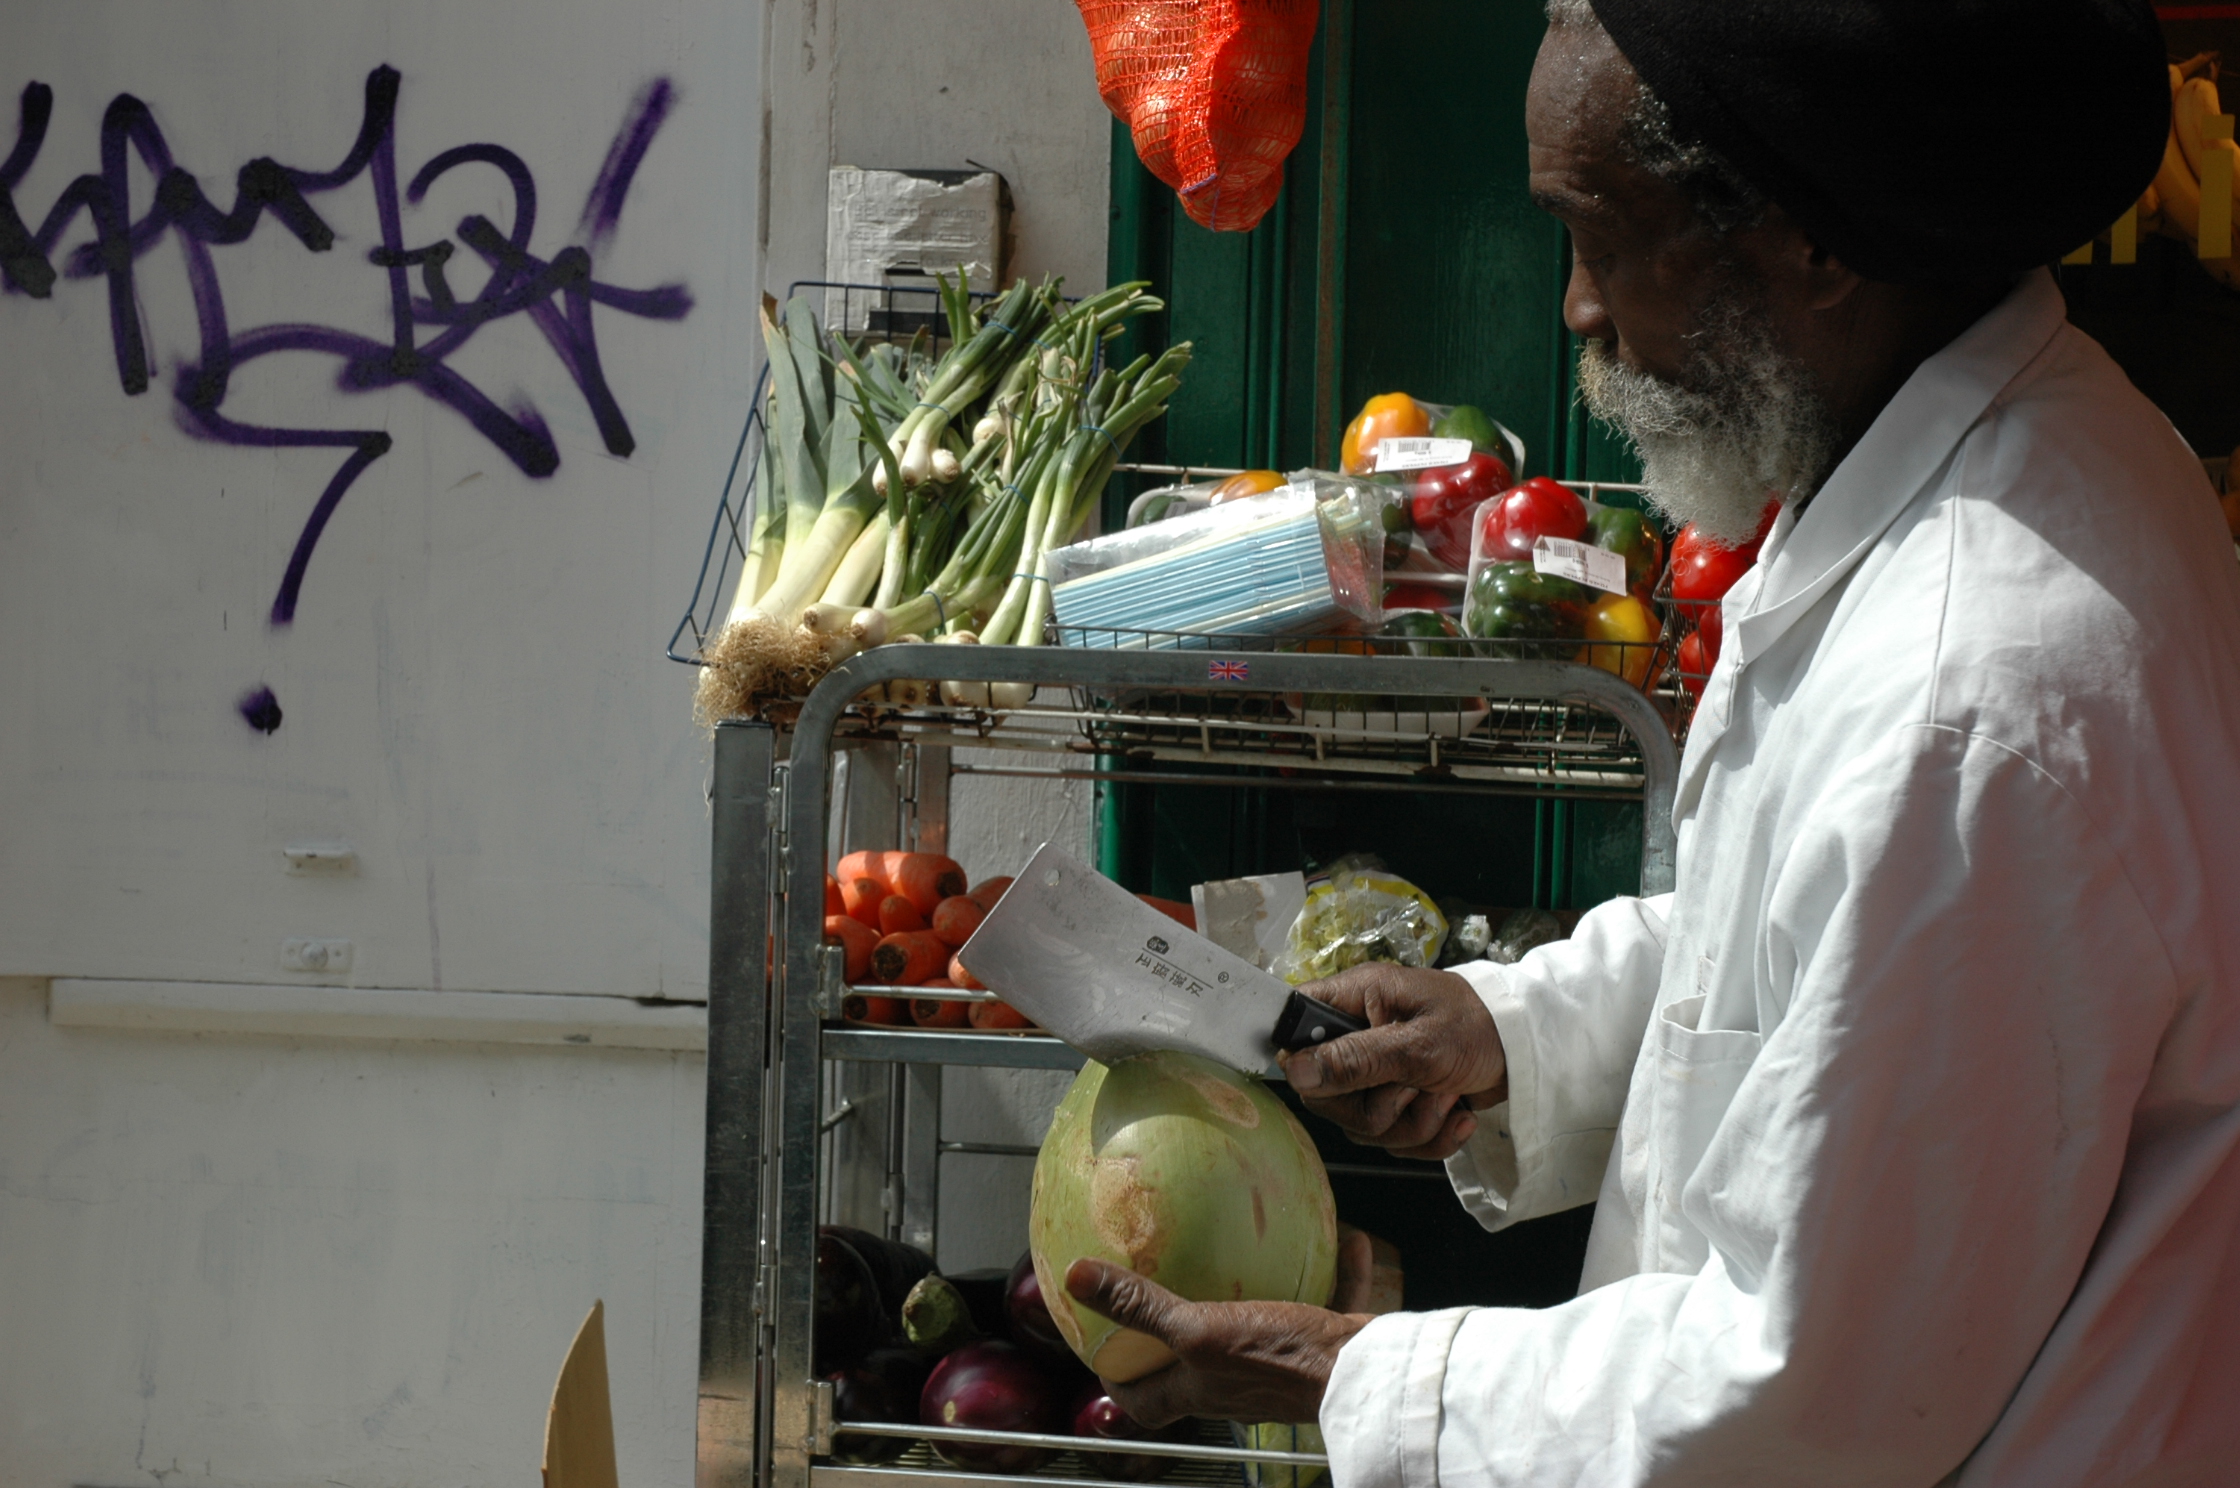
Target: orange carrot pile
(925, 879)
(897, 914)
(934, 1013)
(857, 938)
(997, 1015)
(865, 1009)
(908, 958)
(954, 919)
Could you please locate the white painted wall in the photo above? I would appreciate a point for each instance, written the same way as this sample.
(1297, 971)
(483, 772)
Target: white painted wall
(279, 1260)
(1006, 83)
(472, 691)
(256, 1262)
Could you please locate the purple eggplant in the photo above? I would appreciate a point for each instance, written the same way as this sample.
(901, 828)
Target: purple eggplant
(1097, 1414)
(992, 1386)
(1029, 1316)
(850, 1323)
(896, 1267)
(885, 1387)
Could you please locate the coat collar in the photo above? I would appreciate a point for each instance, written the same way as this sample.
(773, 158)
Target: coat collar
(1901, 453)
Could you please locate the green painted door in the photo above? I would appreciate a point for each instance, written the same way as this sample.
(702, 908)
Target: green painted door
(1403, 255)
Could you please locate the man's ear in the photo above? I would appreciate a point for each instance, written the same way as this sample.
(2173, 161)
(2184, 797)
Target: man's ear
(1827, 282)
(1809, 274)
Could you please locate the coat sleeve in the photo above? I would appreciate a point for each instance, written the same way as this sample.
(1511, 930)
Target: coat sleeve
(1899, 1198)
(1570, 1015)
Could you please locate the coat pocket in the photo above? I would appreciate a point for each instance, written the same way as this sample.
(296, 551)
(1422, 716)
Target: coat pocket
(1697, 1074)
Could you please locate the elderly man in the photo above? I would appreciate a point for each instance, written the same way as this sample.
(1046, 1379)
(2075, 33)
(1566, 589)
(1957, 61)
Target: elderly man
(1914, 1115)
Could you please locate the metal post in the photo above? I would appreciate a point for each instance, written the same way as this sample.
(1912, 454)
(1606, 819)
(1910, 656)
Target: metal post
(916, 1174)
(731, 1198)
(859, 1100)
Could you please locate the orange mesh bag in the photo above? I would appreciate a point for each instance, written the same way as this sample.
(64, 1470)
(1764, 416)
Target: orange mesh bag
(1214, 91)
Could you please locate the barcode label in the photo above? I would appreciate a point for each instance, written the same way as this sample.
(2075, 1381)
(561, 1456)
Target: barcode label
(1582, 563)
(1420, 454)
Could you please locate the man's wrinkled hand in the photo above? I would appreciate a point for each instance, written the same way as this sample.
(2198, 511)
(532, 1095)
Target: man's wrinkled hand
(1238, 1361)
(1411, 1080)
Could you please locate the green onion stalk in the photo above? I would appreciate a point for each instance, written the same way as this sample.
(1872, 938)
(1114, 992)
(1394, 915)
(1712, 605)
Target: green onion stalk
(969, 369)
(1116, 407)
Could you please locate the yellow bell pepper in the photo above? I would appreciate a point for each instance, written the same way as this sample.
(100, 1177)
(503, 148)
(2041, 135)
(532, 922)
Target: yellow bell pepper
(1386, 416)
(1245, 483)
(1623, 619)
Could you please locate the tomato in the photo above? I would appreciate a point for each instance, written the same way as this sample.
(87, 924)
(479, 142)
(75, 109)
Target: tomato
(1695, 666)
(1441, 501)
(1702, 570)
(1539, 508)
(1245, 483)
(1386, 416)
(1711, 622)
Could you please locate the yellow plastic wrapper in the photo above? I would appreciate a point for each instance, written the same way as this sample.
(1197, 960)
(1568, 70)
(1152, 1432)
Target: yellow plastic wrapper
(1358, 912)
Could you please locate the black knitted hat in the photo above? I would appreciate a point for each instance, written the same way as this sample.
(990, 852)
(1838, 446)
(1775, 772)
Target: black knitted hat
(1917, 140)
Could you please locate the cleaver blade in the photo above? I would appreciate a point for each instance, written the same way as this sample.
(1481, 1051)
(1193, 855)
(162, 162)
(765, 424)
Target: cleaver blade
(1114, 977)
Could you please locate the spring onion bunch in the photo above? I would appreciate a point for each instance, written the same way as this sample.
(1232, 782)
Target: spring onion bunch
(878, 519)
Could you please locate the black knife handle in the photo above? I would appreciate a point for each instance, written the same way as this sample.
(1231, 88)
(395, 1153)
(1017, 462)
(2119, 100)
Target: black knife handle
(1304, 1022)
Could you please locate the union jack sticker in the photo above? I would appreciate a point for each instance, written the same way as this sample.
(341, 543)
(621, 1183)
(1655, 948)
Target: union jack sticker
(1228, 671)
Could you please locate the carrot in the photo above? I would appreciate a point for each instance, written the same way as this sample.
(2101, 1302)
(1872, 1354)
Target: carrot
(897, 914)
(865, 1009)
(997, 1015)
(935, 1013)
(955, 918)
(959, 977)
(909, 958)
(867, 864)
(857, 937)
(988, 891)
(861, 897)
(834, 904)
(925, 879)
(1181, 913)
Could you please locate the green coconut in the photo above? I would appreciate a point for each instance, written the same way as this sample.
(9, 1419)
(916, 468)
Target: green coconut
(1185, 1172)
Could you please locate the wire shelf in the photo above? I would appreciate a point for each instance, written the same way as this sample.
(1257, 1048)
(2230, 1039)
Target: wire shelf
(1203, 1467)
(1412, 733)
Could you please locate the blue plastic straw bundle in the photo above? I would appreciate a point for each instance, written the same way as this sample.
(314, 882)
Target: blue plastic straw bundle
(1262, 578)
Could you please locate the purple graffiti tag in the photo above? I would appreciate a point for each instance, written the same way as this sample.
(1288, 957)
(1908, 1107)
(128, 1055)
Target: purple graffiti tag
(556, 293)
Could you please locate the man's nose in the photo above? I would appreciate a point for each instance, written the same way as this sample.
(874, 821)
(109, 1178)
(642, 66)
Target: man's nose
(1583, 310)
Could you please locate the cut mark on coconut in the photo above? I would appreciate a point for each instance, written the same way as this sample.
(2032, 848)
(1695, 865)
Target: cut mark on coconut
(1229, 1103)
(1126, 1214)
(1259, 1219)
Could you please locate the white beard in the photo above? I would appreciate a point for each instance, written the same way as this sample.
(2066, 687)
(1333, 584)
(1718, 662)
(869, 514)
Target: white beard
(1748, 423)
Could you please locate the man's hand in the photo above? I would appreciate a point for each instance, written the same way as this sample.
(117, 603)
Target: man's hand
(1411, 1080)
(1239, 1361)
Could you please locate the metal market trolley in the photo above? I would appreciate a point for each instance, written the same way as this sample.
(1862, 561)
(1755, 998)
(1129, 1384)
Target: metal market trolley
(803, 1109)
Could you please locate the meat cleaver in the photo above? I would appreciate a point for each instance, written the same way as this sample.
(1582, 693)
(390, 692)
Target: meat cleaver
(1112, 976)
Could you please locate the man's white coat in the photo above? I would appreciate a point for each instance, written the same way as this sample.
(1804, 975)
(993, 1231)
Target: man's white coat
(1914, 1114)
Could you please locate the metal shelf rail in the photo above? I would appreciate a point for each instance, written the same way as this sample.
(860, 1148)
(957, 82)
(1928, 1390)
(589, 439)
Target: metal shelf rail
(775, 990)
